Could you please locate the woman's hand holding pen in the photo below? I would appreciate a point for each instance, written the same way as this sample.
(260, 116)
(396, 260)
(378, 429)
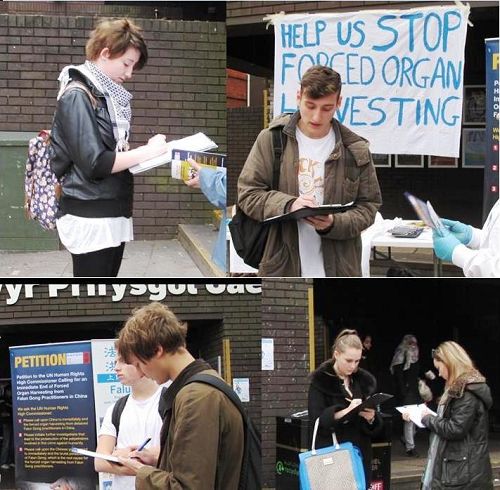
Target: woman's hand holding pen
(157, 145)
(352, 404)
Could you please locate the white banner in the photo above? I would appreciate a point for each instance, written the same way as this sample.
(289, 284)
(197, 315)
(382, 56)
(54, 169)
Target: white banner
(401, 70)
(107, 388)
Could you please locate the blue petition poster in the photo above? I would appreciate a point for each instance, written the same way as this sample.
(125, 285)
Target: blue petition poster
(492, 116)
(53, 405)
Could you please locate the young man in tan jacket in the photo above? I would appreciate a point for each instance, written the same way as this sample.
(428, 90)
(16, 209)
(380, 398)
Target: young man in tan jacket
(202, 437)
(323, 162)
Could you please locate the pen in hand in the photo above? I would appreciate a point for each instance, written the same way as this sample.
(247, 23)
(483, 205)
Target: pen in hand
(143, 445)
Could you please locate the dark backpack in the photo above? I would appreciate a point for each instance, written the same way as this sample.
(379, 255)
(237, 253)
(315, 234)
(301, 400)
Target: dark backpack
(249, 236)
(116, 414)
(42, 188)
(251, 467)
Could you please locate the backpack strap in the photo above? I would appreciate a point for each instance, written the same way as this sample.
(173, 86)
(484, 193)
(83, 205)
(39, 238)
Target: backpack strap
(251, 464)
(79, 85)
(221, 385)
(351, 169)
(162, 404)
(278, 136)
(117, 412)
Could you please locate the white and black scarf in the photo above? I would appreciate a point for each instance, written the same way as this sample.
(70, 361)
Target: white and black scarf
(117, 99)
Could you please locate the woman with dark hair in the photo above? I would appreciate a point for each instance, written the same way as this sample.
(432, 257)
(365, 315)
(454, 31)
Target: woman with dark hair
(458, 452)
(338, 386)
(90, 135)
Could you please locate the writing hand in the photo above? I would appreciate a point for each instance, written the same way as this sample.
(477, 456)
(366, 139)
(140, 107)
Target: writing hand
(146, 456)
(303, 202)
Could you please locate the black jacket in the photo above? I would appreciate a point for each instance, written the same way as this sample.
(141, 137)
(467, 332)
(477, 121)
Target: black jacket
(462, 458)
(84, 147)
(327, 395)
(407, 384)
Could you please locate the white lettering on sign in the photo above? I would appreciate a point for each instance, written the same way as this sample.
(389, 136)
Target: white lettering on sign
(12, 293)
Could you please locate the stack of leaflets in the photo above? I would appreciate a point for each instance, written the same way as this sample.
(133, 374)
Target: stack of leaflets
(196, 142)
(182, 169)
(425, 212)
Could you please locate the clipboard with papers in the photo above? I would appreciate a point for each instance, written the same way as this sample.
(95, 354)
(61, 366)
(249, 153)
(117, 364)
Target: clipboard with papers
(306, 212)
(371, 402)
(195, 142)
(416, 412)
(92, 454)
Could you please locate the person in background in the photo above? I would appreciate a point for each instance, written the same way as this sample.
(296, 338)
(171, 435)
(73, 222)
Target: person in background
(458, 455)
(89, 136)
(212, 182)
(476, 251)
(405, 369)
(367, 361)
(139, 421)
(338, 386)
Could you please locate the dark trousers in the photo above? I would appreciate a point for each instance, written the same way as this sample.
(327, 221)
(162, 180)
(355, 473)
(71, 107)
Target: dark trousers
(101, 263)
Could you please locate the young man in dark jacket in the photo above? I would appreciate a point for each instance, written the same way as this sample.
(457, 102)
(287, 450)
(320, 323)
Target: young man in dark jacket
(323, 162)
(202, 436)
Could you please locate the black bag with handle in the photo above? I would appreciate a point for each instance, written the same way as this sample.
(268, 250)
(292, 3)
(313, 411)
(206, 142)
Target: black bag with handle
(249, 236)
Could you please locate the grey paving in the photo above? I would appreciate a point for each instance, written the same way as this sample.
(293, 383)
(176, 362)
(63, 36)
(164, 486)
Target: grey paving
(159, 258)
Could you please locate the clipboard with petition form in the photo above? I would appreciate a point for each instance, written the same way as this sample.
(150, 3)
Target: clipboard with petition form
(306, 212)
(371, 402)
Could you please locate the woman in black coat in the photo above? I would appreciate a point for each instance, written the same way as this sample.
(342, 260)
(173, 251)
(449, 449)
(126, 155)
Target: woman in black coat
(458, 452)
(337, 386)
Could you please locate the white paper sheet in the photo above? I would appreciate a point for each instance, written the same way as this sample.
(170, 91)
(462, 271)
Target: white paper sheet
(416, 412)
(195, 142)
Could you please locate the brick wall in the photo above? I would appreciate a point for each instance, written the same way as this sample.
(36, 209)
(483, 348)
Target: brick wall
(134, 9)
(285, 319)
(180, 91)
(243, 124)
(239, 315)
(256, 9)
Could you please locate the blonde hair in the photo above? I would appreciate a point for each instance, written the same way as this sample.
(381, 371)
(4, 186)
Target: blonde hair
(117, 35)
(346, 339)
(455, 358)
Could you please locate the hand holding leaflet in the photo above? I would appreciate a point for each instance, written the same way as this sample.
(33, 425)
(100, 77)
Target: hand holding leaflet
(195, 142)
(426, 213)
(416, 412)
